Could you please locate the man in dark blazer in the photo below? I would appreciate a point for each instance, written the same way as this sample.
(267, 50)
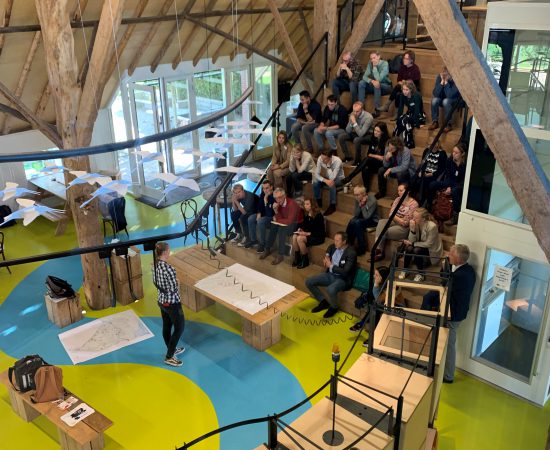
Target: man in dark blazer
(463, 280)
(341, 264)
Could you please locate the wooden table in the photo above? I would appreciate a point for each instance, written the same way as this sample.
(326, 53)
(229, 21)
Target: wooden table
(390, 378)
(85, 435)
(260, 330)
(318, 419)
(54, 185)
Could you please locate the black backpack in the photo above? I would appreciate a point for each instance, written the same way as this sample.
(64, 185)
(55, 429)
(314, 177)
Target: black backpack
(23, 371)
(58, 288)
(5, 211)
(395, 63)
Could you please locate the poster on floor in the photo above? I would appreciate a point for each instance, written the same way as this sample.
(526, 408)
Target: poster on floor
(104, 335)
(244, 288)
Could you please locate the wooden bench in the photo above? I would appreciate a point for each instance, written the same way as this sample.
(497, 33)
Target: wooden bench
(260, 330)
(85, 435)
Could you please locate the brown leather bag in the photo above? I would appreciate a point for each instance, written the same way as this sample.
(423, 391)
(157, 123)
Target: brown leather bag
(49, 384)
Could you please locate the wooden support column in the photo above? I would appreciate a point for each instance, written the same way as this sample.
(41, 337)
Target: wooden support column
(361, 29)
(496, 120)
(307, 34)
(325, 19)
(5, 20)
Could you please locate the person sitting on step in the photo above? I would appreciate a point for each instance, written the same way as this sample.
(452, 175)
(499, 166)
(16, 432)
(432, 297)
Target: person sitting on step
(365, 216)
(358, 130)
(423, 244)
(334, 174)
(376, 80)
(445, 94)
(435, 162)
(307, 119)
(399, 228)
(452, 182)
(280, 159)
(380, 276)
(301, 168)
(340, 263)
(262, 219)
(287, 216)
(370, 165)
(310, 232)
(398, 163)
(333, 123)
(408, 71)
(412, 100)
(348, 76)
(243, 205)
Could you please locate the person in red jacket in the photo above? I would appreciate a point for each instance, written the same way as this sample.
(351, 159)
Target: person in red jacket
(287, 216)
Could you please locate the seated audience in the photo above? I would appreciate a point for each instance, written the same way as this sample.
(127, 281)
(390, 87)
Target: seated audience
(334, 174)
(332, 124)
(398, 163)
(464, 279)
(399, 228)
(375, 156)
(452, 182)
(365, 216)
(262, 219)
(376, 81)
(243, 205)
(358, 130)
(301, 169)
(435, 162)
(310, 232)
(349, 74)
(278, 169)
(423, 242)
(307, 118)
(340, 264)
(287, 216)
(412, 100)
(445, 94)
(408, 71)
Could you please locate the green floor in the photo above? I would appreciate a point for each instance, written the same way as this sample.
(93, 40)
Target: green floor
(472, 414)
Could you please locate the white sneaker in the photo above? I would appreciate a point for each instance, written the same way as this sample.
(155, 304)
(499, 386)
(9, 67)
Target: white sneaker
(237, 239)
(179, 350)
(402, 275)
(173, 361)
(418, 277)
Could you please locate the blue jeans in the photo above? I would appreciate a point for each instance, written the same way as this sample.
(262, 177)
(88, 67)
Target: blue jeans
(263, 223)
(367, 88)
(450, 361)
(317, 185)
(356, 230)
(240, 222)
(333, 283)
(172, 316)
(340, 85)
(281, 233)
(447, 104)
(331, 136)
(307, 134)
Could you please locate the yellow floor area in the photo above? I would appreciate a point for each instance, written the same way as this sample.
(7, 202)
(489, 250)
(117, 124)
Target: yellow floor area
(155, 408)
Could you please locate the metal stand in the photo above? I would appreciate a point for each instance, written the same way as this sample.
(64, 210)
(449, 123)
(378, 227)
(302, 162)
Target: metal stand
(333, 437)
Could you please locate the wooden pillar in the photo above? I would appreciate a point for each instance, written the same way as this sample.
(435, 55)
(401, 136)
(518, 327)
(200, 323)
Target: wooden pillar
(325, 19)
(501, 130)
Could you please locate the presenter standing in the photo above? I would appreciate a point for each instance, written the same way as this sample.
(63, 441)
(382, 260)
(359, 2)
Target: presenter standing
(173, 321)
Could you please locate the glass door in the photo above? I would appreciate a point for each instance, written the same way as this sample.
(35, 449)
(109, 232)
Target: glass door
(145, 121)
(263, 107)
(238, 80)
(511, 314)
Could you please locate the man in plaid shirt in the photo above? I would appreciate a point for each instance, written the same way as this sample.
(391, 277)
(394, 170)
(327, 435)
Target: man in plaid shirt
(348, 76)
(173, 321)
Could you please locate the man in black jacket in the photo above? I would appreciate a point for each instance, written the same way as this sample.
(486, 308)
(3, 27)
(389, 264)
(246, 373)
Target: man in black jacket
(463, 280)
(332, 123)
(341, 264)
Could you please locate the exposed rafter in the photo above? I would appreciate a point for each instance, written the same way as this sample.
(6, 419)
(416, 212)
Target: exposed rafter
(86, 63)
(148, 38)
(305, 27)
(5, 21)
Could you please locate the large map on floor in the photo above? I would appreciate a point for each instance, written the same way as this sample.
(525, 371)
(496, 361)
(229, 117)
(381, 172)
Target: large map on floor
(104, 335)
(244, 288)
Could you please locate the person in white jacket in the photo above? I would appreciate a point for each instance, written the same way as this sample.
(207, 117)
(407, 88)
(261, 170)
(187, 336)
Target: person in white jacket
(301, 169)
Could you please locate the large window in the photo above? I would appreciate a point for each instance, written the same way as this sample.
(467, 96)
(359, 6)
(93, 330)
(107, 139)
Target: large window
(179, 115)
(263, 95)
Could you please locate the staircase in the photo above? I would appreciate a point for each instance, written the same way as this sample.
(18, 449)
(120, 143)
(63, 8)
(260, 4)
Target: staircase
(430, 64)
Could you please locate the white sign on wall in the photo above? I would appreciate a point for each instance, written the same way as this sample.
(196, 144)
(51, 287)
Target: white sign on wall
(502, 278)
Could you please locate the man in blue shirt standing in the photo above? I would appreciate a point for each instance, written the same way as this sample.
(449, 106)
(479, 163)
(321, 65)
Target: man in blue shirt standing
(341, 264)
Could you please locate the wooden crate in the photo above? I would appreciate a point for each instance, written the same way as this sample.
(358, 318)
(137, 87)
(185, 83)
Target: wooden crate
(118, 264)
(194, 300)
(63, 311)
(122, 292)
(262, 336)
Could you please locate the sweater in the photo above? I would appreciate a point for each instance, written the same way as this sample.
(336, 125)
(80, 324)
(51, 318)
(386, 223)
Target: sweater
(400, 162)
(314, 110)
(436, 162)
(314, 225)
(289, 213)
(409, 73)
(305, 164)
(362, 126)
(334, 169)
(405, 211)
(415, 108)
(368, 211)
(380, 73)
(427, 236)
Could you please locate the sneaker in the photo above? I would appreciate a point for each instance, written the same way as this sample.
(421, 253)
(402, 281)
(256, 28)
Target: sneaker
(242, 242)
(402, 275)
(179, 350)
(250, 244)
(173, 361)
(355, 328)
(237, 239)
(419, 277)
(366, 343)
(260, 249)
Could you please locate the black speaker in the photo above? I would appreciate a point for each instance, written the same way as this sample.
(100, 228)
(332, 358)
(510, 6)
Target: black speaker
(283, 91)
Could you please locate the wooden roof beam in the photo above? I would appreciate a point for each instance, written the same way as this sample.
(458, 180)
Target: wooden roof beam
(305, 27)
(5, 21)
(148, 38)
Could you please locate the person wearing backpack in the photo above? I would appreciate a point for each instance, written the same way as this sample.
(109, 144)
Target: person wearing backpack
(173, 320)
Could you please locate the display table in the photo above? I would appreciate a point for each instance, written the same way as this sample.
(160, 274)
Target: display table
(260, 330)
(85, 435)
